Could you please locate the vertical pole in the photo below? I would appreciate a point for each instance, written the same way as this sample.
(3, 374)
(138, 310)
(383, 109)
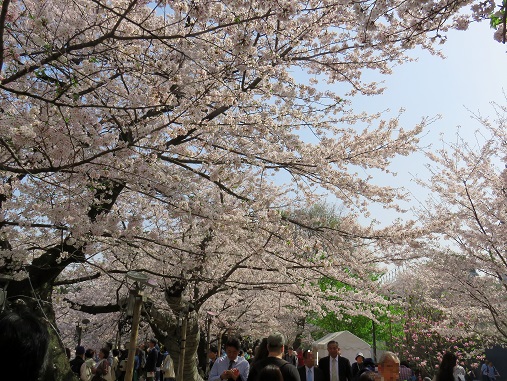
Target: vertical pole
(133, 335)
(118, 336)
(181, 359)
(208, 344)
(219, 344)
(374, 334)
(79, 333)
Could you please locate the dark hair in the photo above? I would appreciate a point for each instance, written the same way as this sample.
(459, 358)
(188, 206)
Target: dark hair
(270, 373)
(446, 368)
(261, 351)
(89, 353)
(233, 342)
(213, 349)
(116, 352)
(332, 342)
(105, 351)
(369, 364)
(23, 344)
(367, 376)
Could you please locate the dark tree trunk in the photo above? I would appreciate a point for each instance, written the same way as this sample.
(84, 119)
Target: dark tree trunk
(38, 300)
(168, 331)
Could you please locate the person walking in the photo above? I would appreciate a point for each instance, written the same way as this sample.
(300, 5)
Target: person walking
(308, 372)
(334, 366)
(275, 345)
(492, 372)
(232, 366)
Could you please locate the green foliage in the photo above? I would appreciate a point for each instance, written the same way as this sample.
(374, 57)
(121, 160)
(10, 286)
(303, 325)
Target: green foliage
(496, 19)
(361, 326)
(333, 284)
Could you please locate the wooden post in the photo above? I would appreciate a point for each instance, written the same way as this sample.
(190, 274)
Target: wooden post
(374, 334)
(133, 335)
(181, 360)
(208, 334)
(220, 343)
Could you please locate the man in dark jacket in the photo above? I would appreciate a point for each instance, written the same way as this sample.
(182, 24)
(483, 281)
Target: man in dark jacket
(276, 342)
(151, 360)
(308, 372)
(335, 367)
(358, 366)
(76, 362)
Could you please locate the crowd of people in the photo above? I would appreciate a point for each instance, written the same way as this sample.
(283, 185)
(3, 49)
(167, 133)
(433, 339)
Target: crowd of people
(270, 362)
(24, 342)
(151, 363)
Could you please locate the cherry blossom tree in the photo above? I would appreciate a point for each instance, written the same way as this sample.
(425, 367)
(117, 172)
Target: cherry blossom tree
(465, 220)
(423, 345)
(427, 325)
(177, 137)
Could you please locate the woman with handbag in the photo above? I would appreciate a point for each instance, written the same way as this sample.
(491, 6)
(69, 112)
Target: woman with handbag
(102, 370)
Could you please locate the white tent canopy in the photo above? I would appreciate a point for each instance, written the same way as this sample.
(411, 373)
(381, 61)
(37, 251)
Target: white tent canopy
(349, 345)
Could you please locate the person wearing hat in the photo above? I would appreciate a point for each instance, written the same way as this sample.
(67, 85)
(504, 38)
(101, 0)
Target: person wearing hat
(358, 366)
(275, 344)
(76, 362)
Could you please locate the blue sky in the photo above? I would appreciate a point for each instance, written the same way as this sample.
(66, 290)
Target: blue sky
(469, 78)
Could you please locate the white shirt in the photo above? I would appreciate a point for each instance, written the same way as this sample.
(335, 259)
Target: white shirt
(335, 363)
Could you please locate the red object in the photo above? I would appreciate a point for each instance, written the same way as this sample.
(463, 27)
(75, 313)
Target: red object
(299, 353)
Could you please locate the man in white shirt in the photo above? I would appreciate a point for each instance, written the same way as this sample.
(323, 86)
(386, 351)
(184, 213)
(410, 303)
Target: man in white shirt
(334, 366)
(232, 366)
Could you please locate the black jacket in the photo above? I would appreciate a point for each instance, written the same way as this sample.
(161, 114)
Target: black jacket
(151, 360)
(344, 370)
(289, 371)
(75, 364)
(317, 373)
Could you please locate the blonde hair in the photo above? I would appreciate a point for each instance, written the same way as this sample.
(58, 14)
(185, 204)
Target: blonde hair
(386, 356)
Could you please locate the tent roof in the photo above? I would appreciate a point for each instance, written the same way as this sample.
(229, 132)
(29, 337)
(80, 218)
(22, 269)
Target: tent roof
(345, 340)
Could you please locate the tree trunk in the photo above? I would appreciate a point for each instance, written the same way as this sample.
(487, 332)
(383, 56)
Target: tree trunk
(168, 330)
(57, 366)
